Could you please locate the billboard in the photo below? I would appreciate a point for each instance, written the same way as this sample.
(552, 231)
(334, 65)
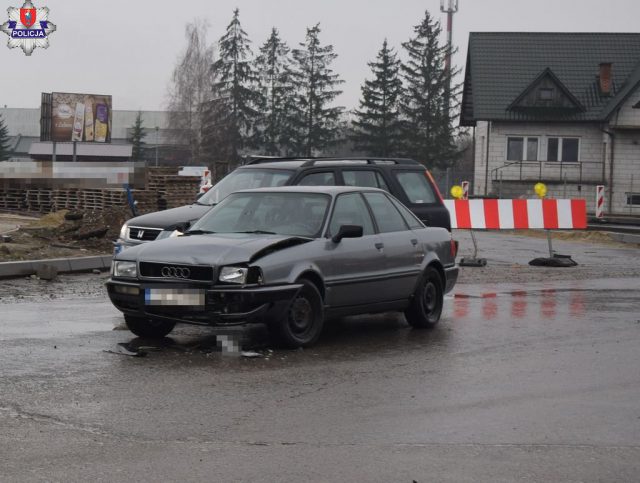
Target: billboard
(67, 117)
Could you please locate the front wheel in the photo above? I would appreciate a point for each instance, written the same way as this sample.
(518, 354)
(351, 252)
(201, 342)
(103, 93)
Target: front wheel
(426, 306)
(302, 322)
(149, 328)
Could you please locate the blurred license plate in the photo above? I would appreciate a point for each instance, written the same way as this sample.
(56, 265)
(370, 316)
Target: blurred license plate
(174, 296)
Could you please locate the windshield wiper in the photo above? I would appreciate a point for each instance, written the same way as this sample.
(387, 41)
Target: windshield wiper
(257, 232)
(204, 204)
(197, 232)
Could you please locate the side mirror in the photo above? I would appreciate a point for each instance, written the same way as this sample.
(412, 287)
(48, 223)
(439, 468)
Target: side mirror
(347, 231)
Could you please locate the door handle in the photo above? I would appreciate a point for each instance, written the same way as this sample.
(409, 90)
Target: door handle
(414, 241)
(379, 246)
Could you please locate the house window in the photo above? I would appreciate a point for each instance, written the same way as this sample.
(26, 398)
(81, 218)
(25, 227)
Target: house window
(546, 94)
(633, 199)
(522, 148)
(563, 149)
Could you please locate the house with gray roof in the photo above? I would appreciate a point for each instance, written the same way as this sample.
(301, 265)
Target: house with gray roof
(561, 108)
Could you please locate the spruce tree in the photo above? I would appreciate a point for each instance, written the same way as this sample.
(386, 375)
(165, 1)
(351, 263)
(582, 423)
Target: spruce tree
(318, 121)
(4, 140)
(428, 120)
(376, 129)
(137, 138)
(275, 128)
(232, 110)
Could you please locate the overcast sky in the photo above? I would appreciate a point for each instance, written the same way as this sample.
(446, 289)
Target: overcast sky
(128, 48)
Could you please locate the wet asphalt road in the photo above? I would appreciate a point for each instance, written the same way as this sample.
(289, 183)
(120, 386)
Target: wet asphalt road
(520, 382)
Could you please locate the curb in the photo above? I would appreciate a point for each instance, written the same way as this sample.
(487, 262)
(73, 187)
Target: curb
(62, 265)
(625, 237)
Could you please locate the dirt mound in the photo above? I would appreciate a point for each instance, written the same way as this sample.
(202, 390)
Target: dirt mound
(66, 234)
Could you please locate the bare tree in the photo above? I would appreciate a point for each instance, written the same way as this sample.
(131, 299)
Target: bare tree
(189, 89)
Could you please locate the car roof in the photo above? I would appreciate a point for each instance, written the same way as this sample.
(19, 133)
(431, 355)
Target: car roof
(329, 190)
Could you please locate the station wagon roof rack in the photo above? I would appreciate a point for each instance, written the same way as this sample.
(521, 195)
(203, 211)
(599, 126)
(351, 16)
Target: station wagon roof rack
(309, 161)
(272, 159)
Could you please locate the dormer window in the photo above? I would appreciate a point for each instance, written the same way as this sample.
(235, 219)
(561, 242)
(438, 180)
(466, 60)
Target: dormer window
(546, 94)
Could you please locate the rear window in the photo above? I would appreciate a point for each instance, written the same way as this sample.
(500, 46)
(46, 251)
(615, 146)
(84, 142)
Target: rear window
(318, 179)
(416, 186)
(364, 177)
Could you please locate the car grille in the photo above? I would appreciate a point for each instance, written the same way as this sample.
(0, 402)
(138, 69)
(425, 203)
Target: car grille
(143, 234)
(172, 271)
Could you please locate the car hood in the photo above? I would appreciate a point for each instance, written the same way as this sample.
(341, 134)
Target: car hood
(170, 219)
(210, 249)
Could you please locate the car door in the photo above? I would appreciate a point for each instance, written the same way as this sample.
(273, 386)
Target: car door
(354, 268)
(399, 244)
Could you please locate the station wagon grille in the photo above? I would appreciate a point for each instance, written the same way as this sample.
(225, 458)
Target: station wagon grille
(143, 234)
(172, 271)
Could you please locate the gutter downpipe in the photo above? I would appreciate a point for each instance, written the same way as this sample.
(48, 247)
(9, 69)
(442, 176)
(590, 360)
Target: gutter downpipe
(473, 160)
(612, 138)
(486, 167)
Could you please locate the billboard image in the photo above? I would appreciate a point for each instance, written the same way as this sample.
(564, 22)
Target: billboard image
(76, 117)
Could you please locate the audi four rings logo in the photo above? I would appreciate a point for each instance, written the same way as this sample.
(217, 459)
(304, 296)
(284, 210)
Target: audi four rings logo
(175, 272)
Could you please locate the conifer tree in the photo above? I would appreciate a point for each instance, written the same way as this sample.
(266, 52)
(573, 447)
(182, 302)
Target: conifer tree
(137, 138)
(376, 129)
(4, 140)
(318, 120)
(232, 111)
(428, 121)
(275, 129)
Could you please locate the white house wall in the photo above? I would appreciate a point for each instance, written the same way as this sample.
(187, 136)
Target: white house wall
(626, 171)
(590, 153)
(627, 115)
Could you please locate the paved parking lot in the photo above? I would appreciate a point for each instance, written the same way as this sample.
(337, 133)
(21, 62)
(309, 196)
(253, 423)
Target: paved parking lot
(523, 381)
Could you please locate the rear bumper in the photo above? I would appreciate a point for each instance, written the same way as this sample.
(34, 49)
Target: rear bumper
(451, 274)
(222, 305)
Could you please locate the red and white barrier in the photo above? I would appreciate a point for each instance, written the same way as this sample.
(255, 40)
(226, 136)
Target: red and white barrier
(493, 214)
(599, 201)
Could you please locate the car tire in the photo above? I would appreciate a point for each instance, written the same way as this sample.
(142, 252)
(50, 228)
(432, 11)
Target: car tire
(301, 323)
(149, 328)
(428, 299)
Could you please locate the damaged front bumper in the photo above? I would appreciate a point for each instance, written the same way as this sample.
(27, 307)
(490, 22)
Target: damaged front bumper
(200, 305)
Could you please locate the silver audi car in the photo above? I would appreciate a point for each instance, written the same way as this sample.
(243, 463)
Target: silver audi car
(290, 258)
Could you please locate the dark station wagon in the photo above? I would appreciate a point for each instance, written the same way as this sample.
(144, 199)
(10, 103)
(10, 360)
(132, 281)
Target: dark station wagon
(406, 179)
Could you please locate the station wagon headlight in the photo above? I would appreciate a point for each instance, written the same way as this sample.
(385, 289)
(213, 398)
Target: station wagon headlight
(125, 269)
(233, 274)
(123, 232)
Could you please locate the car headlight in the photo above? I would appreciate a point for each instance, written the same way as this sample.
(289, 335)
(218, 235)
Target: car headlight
(123, 232)
(125, 269)
(233, 274)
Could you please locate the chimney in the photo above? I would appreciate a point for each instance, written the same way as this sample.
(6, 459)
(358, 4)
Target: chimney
(605, 78)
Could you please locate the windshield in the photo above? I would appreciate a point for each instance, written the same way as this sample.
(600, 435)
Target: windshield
(298, 214)
(244, 179)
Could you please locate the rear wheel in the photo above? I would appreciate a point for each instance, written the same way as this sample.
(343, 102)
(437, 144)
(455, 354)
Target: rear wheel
(148, 327)
(302, 322)
(426, 306)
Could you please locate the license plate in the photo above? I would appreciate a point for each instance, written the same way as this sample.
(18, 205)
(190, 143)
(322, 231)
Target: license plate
(174, 297)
